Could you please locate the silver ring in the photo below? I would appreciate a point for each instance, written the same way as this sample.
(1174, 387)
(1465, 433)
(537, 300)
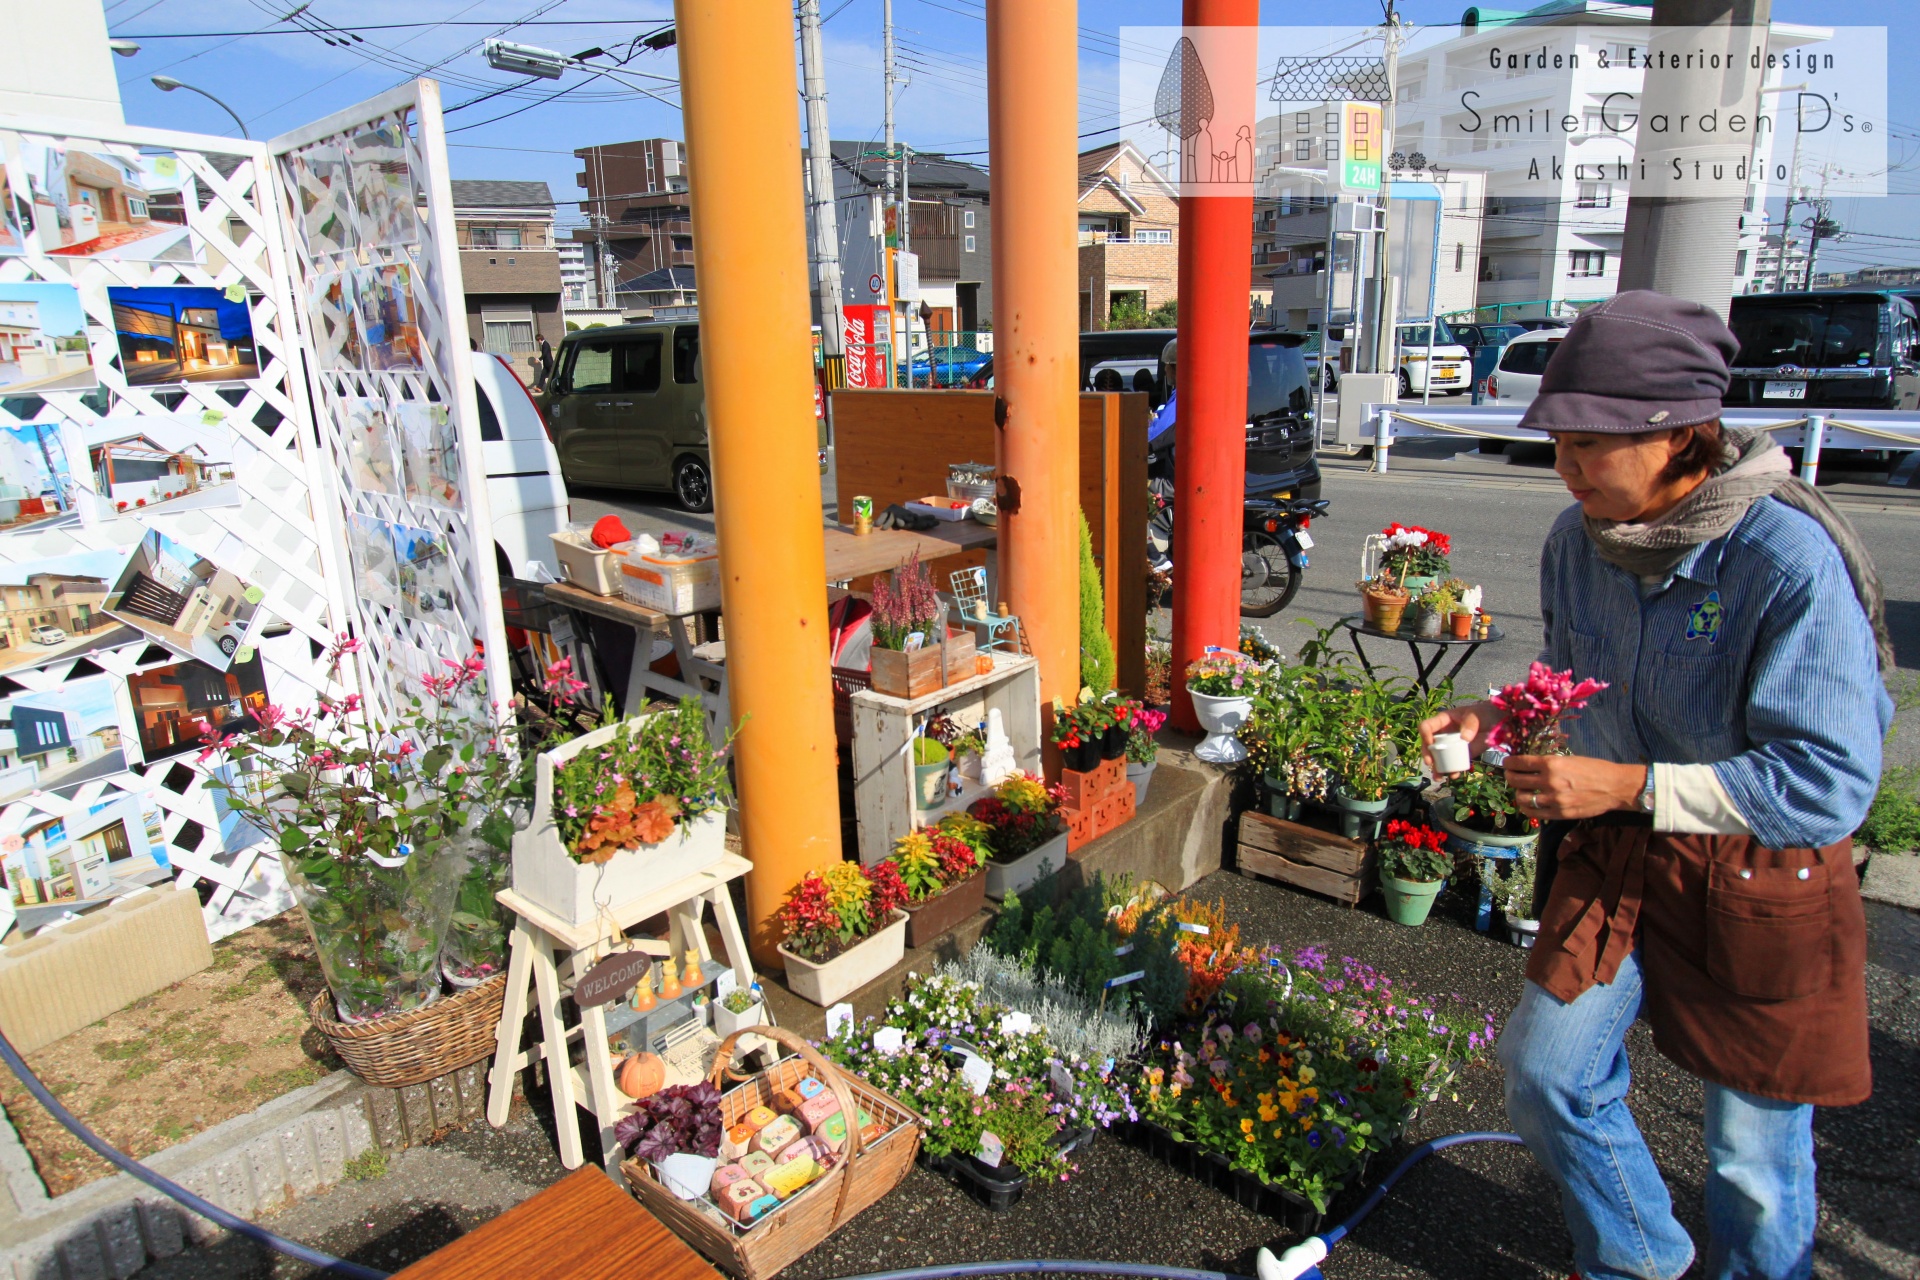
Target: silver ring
(1536, 799)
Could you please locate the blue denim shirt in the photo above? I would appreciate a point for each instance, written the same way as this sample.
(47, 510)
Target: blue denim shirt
(1754, 657)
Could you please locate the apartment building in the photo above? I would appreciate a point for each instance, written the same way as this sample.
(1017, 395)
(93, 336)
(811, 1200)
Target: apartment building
(1556, 201)
(1129, 234)
(510, 267)
(950, 230)
(577, 292)
(639, 222)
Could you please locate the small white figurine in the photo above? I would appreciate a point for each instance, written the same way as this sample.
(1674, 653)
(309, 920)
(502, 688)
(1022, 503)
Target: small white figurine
(997, 761)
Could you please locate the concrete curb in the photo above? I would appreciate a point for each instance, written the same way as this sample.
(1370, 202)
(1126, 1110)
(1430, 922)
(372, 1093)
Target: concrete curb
(251, 1165)
(1893, 878)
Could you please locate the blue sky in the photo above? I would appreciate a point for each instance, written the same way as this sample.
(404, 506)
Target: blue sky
(279, 81)
(60, 312)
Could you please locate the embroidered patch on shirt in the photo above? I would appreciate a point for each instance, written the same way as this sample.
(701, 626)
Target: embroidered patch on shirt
(1703, 623)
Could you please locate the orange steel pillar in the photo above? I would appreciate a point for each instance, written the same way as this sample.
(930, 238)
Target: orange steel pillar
(1210, 461)
(741, 100)
(1033, 126)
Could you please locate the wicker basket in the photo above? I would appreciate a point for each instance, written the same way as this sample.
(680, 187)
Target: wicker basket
(414, 1047)
(868, 1173)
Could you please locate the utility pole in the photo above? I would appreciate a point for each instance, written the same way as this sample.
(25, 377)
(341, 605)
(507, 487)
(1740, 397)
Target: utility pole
(826, 222)
(892, 207)
(1384, 329)
(1685, 245)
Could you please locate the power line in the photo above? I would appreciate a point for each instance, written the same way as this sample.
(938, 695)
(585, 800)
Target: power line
(392, 26)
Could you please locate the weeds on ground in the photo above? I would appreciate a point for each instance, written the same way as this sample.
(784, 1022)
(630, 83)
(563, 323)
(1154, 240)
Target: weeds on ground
(1893, 822)
(368, 1165)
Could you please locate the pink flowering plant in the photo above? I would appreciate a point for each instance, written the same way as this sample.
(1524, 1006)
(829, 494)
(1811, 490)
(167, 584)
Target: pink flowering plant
(1142, 723)
(378, 822)
(1537, 711)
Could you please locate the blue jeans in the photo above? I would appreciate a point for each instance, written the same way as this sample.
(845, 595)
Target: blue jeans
(1566, 1084)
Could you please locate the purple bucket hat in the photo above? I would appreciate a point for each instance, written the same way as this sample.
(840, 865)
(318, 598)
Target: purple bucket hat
(1640, 361)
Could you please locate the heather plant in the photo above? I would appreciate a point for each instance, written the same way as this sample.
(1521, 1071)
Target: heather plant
(904, 602)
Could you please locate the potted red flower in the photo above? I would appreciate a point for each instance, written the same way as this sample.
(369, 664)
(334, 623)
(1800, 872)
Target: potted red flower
(1413, 869)
(1024, 832)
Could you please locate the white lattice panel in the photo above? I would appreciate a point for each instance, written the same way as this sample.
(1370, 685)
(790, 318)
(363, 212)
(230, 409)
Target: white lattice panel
(286, 535)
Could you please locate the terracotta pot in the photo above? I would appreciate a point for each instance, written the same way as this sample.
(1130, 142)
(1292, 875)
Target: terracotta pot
(927, 920)
(1387, 607)
(1461, 624)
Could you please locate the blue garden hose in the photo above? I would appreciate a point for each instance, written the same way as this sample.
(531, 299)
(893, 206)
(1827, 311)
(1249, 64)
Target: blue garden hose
(1302, 1262)
(205, 1208)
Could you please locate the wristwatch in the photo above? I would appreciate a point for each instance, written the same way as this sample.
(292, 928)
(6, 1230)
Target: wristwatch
(1646, 792)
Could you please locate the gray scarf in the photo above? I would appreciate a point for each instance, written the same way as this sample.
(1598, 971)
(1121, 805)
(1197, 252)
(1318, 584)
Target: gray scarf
(1753, 467)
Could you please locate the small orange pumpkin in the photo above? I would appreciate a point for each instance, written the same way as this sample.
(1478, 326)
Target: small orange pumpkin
(641, 1075)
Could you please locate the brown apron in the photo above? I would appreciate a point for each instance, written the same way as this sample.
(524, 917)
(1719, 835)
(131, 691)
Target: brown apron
(1754, 959)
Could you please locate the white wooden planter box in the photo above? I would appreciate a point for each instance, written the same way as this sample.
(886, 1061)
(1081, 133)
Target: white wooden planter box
(828, 981)
(546, 875)
(1004, 878)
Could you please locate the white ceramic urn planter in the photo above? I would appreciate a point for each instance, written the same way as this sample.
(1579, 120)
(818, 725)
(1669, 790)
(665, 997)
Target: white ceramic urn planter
(1221, 718)
(826, 982)
(547, 876)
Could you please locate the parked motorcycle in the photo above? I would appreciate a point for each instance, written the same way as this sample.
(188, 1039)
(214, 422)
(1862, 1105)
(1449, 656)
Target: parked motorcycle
(1273, 547)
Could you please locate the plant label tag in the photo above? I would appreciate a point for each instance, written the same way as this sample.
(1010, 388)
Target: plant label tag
(212, 417)
(238, 293)
(560, 631)
(977, 1073)
(1124, 951)
(992, 1149)
(1125, 978)
(724, 985)
(839, 1016)
(1015, 1023)
(889, 1041)
(1194, 928)
(1062, 1081)
(611, 978)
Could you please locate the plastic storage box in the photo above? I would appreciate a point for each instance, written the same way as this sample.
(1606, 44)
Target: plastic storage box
(672, 584)
(586, 566)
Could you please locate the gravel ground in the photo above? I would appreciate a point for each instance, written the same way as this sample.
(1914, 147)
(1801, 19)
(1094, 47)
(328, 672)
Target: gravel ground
(1481, 1211)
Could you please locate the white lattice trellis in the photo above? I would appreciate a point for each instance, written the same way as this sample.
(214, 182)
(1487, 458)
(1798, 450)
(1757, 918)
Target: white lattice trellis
(287, 535)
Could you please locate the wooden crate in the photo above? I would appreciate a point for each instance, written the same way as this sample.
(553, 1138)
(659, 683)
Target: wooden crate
(1306, 858)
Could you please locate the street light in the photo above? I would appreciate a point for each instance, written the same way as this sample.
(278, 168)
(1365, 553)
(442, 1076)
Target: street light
(549, 64)
(167, 84)
(125, 48)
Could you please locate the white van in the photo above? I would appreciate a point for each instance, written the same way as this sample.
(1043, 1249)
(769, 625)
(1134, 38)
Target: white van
(1446, 365)
(1516, 379)
(524, 488)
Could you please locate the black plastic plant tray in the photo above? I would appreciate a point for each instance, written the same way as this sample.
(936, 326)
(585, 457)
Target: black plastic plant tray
(997, 1189)
(1289, 1208)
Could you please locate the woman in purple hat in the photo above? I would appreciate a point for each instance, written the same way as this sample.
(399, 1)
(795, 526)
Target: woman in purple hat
(1696, 864)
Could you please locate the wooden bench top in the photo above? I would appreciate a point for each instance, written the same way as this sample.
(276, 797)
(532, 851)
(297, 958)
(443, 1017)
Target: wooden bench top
(580, 1228)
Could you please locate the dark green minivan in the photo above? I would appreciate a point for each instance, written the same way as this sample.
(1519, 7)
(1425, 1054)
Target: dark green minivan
(626, 410)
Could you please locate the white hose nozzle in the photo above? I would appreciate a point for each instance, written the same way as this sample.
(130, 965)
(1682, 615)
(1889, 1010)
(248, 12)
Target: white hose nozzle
(1294, 1263)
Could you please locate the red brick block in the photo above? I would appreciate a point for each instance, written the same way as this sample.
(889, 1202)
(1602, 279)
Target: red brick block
(1122, 801)
(1113, 775)
(1079, 827)
(1104, 814)
(1083, 788)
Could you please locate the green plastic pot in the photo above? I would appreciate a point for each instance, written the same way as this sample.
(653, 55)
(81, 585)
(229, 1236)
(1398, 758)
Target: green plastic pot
(1409, 901)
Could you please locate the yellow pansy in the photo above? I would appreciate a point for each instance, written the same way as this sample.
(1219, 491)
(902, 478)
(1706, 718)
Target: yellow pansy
(1306, 1075)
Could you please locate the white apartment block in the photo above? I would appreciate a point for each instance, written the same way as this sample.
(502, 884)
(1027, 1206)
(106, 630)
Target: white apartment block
(1556, 201)
(576, 277)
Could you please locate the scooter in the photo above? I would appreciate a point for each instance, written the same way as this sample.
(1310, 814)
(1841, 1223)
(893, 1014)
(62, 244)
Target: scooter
(1273, 546)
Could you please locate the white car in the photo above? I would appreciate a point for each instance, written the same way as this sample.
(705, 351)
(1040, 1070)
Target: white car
(49, 635)
(524, 488)
(1446, 365)
(1516, 379)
